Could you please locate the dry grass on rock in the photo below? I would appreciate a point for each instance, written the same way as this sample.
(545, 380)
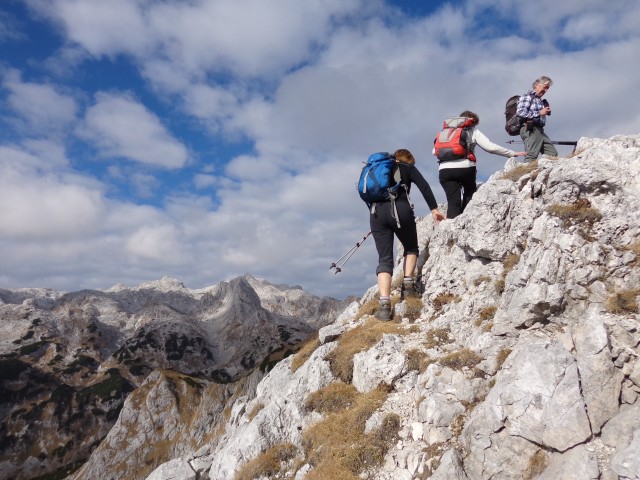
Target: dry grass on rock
(460, 359)
(304, 353)
(502, 356)
(334, 397)
(635, 249)
(357, 340)
(269, 464)
(579, 212)
(437, 337)
(338, 447)
(623, 301)
(520, 171)
(507, 265)
(417, 360)
(486, 313)
(413, 308)
(444, 299)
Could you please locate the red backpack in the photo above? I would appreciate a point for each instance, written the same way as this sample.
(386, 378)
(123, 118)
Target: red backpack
(454, 141)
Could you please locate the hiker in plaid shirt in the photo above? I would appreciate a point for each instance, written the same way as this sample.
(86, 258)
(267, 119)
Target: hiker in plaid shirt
(533, 112)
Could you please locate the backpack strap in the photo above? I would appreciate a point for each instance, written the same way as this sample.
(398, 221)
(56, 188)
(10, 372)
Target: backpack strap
(393, 194)
(397, 177)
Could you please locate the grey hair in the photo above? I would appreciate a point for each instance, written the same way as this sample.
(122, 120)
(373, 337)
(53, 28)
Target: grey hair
(543, 81)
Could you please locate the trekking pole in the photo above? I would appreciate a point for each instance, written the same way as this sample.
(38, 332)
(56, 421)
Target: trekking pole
(555, 142)
(348, 255)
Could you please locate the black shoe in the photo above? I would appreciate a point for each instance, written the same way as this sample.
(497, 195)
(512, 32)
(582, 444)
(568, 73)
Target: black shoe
(384, 312)
(410, 290)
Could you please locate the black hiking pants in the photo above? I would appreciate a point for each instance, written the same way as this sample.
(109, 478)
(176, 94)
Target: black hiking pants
(384, 227)
(459, 185)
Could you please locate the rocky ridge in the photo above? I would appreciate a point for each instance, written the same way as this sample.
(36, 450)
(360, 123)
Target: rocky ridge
(68, 361)
(521, 361)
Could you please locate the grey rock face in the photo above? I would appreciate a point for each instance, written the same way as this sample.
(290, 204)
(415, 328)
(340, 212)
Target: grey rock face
(381, 365)
(537, 397)
(626, 461)
(601, 381)
(521, 361)
(579, 463)
(451, 467)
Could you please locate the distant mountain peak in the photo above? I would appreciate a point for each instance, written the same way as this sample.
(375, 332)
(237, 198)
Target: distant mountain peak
(69, 360)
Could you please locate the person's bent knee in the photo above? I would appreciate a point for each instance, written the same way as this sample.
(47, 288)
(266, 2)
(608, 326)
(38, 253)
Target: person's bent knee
(384, 268)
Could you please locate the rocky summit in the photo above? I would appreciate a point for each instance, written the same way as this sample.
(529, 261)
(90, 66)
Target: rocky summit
(521, 360)
(70, 361)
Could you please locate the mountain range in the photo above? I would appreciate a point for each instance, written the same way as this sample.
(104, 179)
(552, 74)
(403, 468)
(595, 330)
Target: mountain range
(69, 360)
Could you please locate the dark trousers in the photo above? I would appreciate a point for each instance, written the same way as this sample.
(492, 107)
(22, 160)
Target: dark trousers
(384, 227)
(459, 185)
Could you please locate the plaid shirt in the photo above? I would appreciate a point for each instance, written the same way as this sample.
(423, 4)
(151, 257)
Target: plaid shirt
(529, 107)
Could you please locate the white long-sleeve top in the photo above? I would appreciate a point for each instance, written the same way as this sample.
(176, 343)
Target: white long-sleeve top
(481, 140)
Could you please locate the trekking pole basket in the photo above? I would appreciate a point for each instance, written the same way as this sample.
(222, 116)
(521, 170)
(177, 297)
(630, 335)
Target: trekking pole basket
(338, 264)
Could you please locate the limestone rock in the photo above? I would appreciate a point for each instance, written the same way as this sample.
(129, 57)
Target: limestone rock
(381, 364)
(451, 467)
(626, 461)
(538, 395)
(521, 362)
(176, 469)
(515, 366)
(600, 380)
(577, 463)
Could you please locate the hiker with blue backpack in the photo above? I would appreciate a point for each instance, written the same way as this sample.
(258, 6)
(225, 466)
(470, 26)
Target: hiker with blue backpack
(532, 112)
(391, 214)
(454, 147)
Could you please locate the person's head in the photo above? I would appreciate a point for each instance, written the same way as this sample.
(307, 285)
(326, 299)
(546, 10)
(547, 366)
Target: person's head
(541, 85)
(468, 114)
(405, 156)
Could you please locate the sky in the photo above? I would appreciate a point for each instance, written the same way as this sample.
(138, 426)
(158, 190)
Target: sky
(206, 139)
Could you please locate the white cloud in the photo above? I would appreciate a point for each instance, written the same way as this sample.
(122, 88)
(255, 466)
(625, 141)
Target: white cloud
(42, 107)
(314, 96)
(249, 37)
(102, 28)
(161, 243)
(44, 205)
(204, 181)
(43, 209)
(146, 185)
(246, 36)
(122, 127)
(209, 102)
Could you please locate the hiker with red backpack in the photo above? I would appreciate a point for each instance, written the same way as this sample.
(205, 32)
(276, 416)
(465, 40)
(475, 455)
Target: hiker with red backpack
(454, 147)
(392, 215)
(533, 111)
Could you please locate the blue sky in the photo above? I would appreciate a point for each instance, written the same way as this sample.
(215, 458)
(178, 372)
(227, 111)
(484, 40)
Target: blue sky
(205, 139)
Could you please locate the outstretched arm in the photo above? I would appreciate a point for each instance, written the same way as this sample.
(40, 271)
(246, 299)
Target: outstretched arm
(488, 146)
(422, 184)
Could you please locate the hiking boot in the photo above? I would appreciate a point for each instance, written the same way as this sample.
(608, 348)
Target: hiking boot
(410, 289)
(384, 312)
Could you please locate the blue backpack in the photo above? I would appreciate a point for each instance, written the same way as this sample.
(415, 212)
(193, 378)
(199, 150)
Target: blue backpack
(378, 180)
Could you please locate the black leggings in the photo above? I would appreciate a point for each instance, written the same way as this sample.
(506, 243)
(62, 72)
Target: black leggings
(459, 185)
(384, 227)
